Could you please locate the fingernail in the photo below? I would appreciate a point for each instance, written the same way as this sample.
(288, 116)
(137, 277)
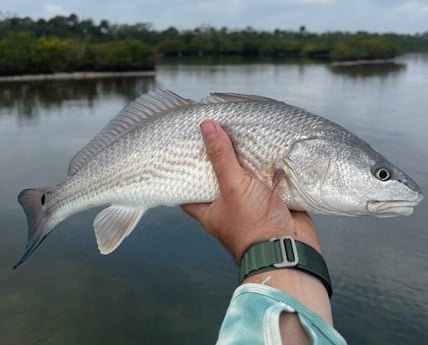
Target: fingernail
(208, 129)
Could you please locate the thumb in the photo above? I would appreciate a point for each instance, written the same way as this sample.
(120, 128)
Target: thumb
(220, 152)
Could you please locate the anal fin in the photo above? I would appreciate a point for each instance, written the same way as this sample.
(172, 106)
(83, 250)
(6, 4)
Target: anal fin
(113, 224)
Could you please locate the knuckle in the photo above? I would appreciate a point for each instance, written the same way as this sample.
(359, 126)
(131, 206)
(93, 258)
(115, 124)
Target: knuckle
(215, 152)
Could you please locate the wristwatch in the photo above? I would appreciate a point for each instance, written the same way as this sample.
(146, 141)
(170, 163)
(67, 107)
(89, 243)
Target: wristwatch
(285, 252)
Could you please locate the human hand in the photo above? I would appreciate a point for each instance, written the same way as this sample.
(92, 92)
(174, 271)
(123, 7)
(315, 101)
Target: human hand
(247, 211)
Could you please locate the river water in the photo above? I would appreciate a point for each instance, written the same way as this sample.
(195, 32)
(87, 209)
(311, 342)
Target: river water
(169, 282)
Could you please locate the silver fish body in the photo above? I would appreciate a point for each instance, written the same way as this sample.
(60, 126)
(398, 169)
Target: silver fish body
(152, 154)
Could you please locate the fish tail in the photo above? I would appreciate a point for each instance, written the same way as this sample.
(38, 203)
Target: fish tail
(32, 201)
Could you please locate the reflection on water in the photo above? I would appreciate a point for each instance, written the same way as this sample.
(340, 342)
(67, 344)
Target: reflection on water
(169, 281)
(385, 69)
(28, 99)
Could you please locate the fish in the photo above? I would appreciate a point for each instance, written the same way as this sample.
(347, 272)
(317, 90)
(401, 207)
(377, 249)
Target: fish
(152, 154)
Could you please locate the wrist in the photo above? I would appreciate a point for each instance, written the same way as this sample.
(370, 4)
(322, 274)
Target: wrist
(299, 226)
(311, 289)
(285, 253)
(253, 237)
(305, 233)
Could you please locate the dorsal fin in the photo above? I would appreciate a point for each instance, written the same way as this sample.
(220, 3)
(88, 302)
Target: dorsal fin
(221, 97)
(151, 104)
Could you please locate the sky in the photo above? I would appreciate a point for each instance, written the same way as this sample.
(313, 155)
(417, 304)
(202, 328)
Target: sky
(401, 16)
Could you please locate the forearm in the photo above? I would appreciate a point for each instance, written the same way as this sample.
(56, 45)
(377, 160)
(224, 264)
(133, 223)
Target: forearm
(305, 288)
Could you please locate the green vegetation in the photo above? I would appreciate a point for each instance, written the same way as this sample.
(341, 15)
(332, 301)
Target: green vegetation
(66, 43)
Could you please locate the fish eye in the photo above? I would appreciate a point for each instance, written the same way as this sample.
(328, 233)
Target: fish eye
(382, 174)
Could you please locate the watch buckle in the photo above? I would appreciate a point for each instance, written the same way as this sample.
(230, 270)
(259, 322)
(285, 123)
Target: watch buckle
(285, 262)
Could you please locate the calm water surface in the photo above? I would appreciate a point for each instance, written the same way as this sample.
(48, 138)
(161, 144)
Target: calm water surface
(170, 282)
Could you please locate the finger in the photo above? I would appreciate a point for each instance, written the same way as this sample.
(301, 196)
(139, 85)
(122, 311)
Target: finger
(277, 177)
(220, 152)
(195, 210)
(200, 212)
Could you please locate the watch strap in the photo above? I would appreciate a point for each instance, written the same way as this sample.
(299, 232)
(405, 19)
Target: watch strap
(285, 252)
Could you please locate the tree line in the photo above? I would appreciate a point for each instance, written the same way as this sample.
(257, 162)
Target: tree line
(67, 43)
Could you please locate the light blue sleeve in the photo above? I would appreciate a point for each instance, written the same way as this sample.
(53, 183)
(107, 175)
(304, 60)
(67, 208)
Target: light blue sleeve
(253, 318)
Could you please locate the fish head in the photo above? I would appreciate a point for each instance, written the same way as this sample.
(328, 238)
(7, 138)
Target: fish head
(392, 192)
(348, 177)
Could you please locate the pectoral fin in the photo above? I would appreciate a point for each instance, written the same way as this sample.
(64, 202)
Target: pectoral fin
(113, 224)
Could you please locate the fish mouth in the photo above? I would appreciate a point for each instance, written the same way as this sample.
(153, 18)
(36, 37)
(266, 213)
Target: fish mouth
(392, 208)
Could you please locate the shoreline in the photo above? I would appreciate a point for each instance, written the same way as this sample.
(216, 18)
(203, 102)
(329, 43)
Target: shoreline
(363, 62)
(76, 76)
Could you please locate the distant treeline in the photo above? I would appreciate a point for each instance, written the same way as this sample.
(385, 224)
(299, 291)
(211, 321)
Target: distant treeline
(66, 43)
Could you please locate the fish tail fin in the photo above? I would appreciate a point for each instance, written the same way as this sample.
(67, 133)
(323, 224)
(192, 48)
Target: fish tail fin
(32, 201)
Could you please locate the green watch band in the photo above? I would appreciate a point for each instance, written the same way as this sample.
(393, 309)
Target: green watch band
(285, 252)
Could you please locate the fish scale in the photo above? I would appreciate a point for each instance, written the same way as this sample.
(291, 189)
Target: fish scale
(152, 154)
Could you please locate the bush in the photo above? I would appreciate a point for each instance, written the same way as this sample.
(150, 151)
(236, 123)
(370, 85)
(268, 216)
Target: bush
(171, 47)
(16, 52)
(367, 48)
(22, 53)
(121, 55)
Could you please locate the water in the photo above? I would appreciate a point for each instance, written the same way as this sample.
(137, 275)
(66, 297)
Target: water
(170, 281)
